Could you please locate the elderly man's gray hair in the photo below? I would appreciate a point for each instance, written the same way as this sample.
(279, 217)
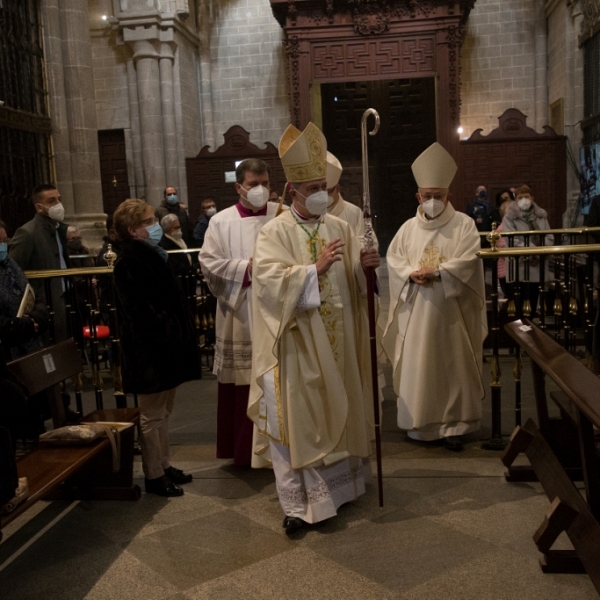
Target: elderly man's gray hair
(168, 221)
(72, 229)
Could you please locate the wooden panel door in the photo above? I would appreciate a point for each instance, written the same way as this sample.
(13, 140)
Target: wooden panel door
(113, 168)
(407, 111)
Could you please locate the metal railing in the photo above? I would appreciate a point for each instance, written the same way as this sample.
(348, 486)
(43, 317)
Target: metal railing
(92, 320)
(565, 300)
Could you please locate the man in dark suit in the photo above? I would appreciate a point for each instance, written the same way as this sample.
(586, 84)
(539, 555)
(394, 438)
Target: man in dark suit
(42, 244)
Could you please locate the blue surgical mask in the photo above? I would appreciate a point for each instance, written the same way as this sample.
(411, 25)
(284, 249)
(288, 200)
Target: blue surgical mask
(3, 251)
(155, 234)
(172, 199)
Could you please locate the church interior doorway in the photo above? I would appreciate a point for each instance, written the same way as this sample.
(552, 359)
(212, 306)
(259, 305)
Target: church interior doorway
(408, 126)
(113, 168)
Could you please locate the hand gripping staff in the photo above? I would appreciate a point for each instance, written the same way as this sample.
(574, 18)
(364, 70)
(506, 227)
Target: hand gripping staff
(371, 288)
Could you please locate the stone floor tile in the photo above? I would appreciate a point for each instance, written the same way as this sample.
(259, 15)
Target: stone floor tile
(206, 548)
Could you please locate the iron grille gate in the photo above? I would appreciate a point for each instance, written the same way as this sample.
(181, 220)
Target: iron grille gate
(24, 123)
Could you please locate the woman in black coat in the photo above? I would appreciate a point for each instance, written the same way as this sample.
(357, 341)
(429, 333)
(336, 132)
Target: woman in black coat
(160, 350)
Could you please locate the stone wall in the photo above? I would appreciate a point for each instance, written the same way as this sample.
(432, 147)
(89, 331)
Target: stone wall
(498, 63)
(187, 105)
(523, 54)
(243, 77)
(110, 80)
(565, 87)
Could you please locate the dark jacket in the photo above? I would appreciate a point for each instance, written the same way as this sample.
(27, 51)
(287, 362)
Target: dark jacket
(184, 219)
(33, 248)
(18, 335)
(178, 262)
(200, 229)
(480, 209)
(160, 349)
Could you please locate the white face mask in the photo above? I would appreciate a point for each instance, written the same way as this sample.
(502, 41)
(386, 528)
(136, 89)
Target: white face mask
(211, 211)
(524, 203)
(257, 196)
(330, 201)
(177, 235)
(57, 212)
(432, 207)
(316, 204)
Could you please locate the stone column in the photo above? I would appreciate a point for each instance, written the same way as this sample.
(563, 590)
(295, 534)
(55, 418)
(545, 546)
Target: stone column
(80, 98)
(204, 26)
(146, 56)
(541, 66)
(137, 185)
(50, 14)
(168, 114)
(573, 107)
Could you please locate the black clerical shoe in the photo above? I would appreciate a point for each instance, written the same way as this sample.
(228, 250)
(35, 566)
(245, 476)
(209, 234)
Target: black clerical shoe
(178, 476)
(292, 524)
(454, 443)
(163, 486)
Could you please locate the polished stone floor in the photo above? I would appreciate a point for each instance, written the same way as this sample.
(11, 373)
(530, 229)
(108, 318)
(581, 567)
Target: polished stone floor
(451, 528)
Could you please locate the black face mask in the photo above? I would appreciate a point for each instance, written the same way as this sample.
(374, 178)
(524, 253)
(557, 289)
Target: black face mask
(483, 194)
(75, 245)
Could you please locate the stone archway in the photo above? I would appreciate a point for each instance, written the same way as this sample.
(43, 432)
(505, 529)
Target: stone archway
(331, 41)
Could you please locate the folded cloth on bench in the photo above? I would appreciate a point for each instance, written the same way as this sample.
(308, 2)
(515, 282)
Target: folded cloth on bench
(21, 494)
(73, 435)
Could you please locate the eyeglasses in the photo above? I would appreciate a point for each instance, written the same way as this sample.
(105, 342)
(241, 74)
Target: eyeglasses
(150, 221)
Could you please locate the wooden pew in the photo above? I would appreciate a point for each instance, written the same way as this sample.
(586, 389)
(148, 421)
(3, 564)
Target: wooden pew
(579, 403)
(77, 472)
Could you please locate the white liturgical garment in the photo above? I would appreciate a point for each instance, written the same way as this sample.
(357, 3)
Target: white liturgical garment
(435, 332)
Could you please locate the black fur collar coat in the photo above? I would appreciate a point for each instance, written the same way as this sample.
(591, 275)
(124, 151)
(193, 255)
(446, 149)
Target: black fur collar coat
(160, 349)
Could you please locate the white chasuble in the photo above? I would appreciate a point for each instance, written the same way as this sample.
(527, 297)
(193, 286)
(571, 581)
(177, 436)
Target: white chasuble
(353, 215)
(434, 333)
(310, 392)
(224, 257)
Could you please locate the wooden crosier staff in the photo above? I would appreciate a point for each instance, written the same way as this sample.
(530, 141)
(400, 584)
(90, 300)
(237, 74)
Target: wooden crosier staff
(370, 273)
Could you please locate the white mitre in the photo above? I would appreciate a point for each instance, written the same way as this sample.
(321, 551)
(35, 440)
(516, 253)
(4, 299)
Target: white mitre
(334, 170)
(303, 154)
(434, 168)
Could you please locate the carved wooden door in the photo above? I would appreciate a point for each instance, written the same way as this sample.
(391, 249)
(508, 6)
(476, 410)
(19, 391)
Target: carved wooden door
(408, 126)
(113, 168)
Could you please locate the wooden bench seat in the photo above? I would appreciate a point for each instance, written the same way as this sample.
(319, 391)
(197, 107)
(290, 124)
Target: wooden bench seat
(76, 472)
(561, 448)
(47, 467)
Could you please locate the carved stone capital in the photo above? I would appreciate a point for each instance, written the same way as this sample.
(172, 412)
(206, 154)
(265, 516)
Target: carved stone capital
(590, 26)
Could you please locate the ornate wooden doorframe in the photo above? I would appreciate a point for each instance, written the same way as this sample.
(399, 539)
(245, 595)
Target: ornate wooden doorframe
(360, 40)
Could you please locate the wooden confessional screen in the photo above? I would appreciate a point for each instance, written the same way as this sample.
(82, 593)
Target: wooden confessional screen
(513, 154)
(206, 173)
